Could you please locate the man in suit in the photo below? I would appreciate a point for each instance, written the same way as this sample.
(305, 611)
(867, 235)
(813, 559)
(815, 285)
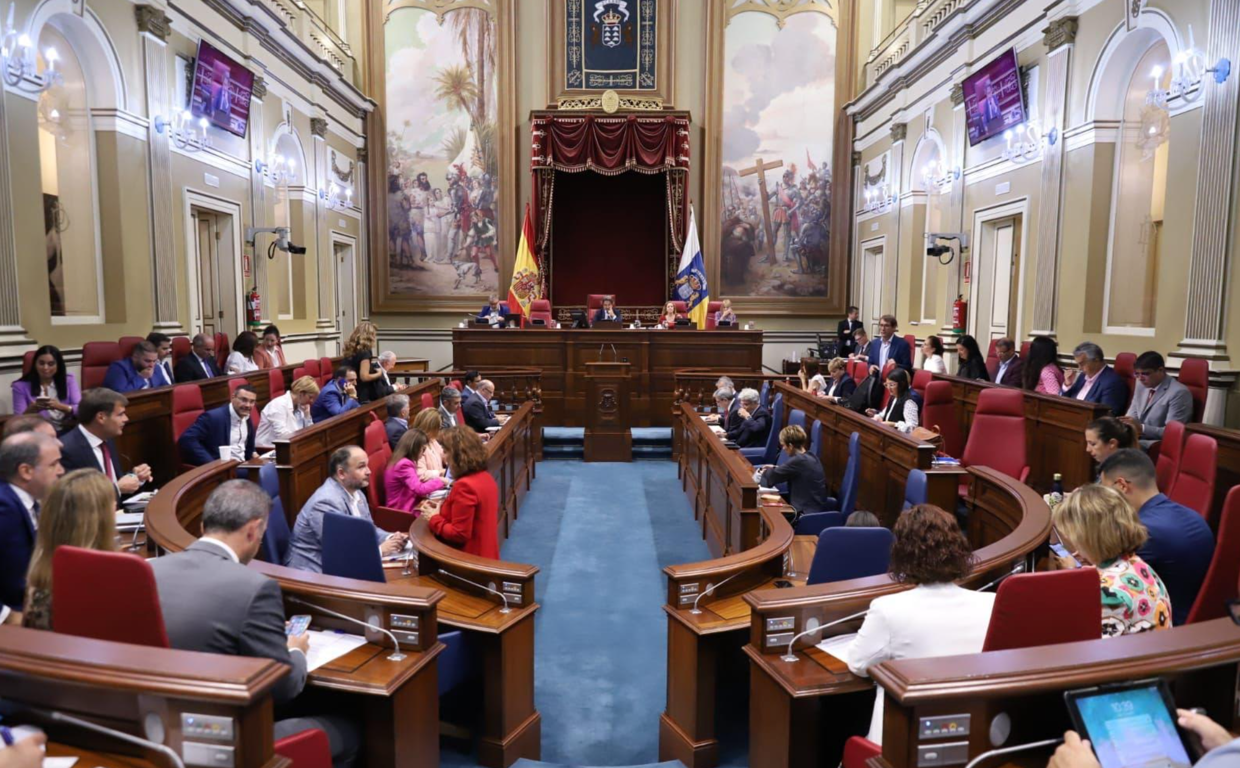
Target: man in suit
(608, 312)
(1158, 399)
(163, 359)
(470, 383)
(847, 328)
(494, 312)
(92, 444)
(200, 362)
(213, 603)
(478, 413)
(397, 423)
(861, 345)
(137, 372)
(226, 427)
(383, 386)
(449, 404)
(753, 422)
(348, 474)
(889, 346)
(29, 465)
(1100, 384)
(1007, 367)
(1180, 545)
(727, 406)
(337, 396)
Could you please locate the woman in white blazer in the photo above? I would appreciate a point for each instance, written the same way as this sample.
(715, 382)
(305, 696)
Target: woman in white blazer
(936, 617)
(287, 414)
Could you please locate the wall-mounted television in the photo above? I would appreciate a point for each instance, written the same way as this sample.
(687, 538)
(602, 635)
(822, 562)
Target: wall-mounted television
(222, 89)
(994, 100)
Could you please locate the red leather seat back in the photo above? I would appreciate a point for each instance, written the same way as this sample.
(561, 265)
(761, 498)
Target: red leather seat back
(186, 408)
(938, 413)
(1220, 583)
(221, 351)
(1125, 366)
(376, 492)
(992, 353)
(858, 369)
(311, 368)
(1170, 448)
(376, 437)
(308, 749)
(711, 308)
(299, 372)
(920, 380)
(106, 596)
(1023, 602)
(326, 369)
(540, 309)
(428, 401)
(1195, 374)
(96, 357)
(594, 301)
(275, 383)
(1194, 482)
(180, 348)
(857, 750)
(1024, 349)
(681, 307)
(911, 340)
(887, 369)
(27, 363)
(459, 387)
(125, 345)
(460, 417)
(997, 436)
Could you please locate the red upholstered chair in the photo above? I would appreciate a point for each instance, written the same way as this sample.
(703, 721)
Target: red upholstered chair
(1170, 448)
(712, 307)
(1125, 363)
(992, 352)
(857, 750)
(1195, 374)
(594, 302)
(1023, 602)
(299, 372)
(938, 413)
(428, 401)
(275, 383)
(540, 309)
(221, 350)
(27, 362)
(106, 596)
(460, 417)
(180, 348)
(376, 492)
(326, 369)
(376, 438)
(997, 437)
(887, 369)
(681, 307)
(232, 387)
(912, 345)
(186, 408)
(311, 368)
(1194, 482)
(308, 749)
(920, 380)
(125, 345)
(96, 357)
(1024, 349)
(1221, 580)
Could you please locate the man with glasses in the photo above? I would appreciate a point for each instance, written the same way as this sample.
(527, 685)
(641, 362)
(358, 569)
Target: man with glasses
(889, 346)
(1157, 400)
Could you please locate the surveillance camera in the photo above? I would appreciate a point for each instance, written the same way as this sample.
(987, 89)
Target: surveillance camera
(935, 251)
(296, 250)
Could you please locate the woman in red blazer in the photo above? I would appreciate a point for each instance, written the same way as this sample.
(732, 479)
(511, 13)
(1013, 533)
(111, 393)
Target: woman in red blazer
(468, 518)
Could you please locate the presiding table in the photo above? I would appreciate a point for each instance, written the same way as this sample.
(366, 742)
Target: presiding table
(562, 354)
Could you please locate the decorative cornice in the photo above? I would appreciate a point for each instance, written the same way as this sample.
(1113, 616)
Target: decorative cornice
(957, 94)
(260, 87)
(782, 9)
(899, 131)
(627, 103)
(318, 127)
(153, 21)
(1060, 32)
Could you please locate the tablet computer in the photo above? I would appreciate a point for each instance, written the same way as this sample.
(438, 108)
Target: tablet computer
(1130, 725)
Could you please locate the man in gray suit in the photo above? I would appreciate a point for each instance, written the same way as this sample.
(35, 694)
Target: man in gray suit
(213, 603)
(348, 474)
(1158, 399)
(449, 404)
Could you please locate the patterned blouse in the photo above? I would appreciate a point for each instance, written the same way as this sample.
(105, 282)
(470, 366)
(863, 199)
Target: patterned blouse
(1050, 381)
(1133, 598)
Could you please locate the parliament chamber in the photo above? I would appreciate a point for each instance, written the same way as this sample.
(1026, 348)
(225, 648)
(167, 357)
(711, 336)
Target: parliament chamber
(376, 371)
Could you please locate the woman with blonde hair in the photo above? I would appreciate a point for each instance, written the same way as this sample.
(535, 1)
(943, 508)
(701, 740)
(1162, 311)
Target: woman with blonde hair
(359, 354)
(840, 385)
(80, 511)
(430, 463)
(1100, 529)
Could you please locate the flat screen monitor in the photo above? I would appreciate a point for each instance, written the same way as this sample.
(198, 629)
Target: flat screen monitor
(994, 100)
(222, 89)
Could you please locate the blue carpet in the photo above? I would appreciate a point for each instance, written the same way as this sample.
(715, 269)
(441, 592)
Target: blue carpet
(601, 535)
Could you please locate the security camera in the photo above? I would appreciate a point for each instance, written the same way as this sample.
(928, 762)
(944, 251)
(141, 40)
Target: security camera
(281, 242)
(938, 250)
(296, 250)
(960, 237)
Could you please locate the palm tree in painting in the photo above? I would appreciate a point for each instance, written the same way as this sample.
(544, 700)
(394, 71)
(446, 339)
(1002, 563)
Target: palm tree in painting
(455, 87)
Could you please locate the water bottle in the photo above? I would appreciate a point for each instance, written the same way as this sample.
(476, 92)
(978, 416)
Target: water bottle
(1057, 484)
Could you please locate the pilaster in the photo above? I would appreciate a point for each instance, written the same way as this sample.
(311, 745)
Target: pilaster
(13, 338)
(324, 257)
(258, 195)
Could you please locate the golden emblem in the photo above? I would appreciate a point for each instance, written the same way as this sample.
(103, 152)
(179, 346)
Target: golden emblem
(611, 101)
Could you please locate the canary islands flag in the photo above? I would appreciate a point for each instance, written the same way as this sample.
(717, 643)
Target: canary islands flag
(526, 278)
(691, 276)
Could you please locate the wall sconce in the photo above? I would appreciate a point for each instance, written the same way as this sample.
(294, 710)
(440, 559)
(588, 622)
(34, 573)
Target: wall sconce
(281, 171)
(1190, 69)
(938, 177)
(1026, 142)
(17, 61)
(184, 132)
(332, 200)
(878, 199)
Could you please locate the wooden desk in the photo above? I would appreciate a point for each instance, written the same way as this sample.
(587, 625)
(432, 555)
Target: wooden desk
(1054, 432)
(1008, 524)
(562, 355)
(1200, 661)
(1228, 465)
(137, 690)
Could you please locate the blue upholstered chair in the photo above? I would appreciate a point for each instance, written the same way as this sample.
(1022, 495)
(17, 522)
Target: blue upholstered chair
(815, 440)
(764, 394)
(766, 454)
(915, 489)
(850, 553)
(456, 663)
(269, 479)
(349, 548)
(275, 538)
(810, 523)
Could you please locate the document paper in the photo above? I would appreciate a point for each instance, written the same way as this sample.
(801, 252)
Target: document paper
(326, 647)
(837, 646)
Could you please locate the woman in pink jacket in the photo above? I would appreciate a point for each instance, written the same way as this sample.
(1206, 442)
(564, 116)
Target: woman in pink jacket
(404, 488)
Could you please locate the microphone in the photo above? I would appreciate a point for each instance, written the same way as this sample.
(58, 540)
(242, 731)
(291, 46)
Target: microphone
(1009, 750)
(695, 611)
(615, 356)
(790, 657)
(503, 597)
(600, 353)
(1018, 568)
(61, 717)
(396, 654)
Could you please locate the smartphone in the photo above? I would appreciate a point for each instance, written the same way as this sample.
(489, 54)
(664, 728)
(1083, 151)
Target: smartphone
(1061, 551)
(298, 625)
(783, 584)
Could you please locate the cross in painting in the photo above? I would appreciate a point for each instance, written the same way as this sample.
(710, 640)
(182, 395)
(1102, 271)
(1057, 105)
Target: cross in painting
(760, 169)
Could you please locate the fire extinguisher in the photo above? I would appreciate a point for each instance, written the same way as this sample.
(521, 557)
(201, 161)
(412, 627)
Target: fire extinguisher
(960, 309)
(253, 307)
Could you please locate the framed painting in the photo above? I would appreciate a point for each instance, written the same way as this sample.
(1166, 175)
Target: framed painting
(772, 150)
(597, 46)
(441, 153)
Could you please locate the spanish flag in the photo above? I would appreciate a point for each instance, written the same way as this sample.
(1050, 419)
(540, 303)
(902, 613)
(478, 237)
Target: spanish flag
(526, 277)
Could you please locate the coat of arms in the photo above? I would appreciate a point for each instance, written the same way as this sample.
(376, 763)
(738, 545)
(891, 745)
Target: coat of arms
(612, 14)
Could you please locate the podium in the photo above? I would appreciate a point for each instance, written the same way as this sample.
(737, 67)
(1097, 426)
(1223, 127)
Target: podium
(607, 413)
